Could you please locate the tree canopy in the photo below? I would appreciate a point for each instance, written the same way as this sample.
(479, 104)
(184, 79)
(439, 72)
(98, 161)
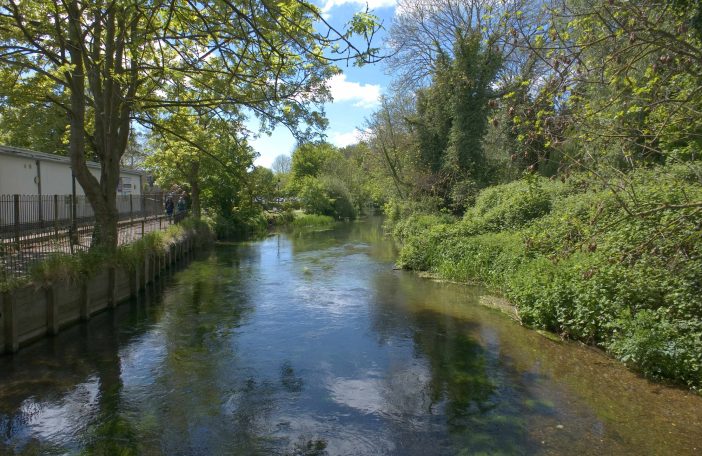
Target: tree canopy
(110, 65)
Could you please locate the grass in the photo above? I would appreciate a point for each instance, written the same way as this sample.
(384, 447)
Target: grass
(303, 220)
(61, 267)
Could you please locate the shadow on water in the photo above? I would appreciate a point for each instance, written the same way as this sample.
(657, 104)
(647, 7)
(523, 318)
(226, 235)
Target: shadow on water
(74, 380)
(308, 343)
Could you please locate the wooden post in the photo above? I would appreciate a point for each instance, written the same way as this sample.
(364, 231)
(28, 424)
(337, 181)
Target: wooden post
(11, 339)
(142, 228)
(52, 323)
(133, 282)
(147, 279)
(84, 302)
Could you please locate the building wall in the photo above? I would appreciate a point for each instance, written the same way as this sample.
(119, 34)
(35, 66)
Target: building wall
(56, 179)
(19, 175)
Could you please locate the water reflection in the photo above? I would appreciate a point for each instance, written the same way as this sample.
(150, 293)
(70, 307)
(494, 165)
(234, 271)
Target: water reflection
(310, 344)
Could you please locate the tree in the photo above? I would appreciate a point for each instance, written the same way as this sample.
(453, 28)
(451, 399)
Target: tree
(629, 75)
(109, 64)
(424, 33)
(262, 186)
(206, 159)
(26, 122)
(392, 142)
(309, 159)
(282, 164)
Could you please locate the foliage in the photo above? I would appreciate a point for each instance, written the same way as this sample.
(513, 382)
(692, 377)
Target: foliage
(571, 263)
(279, 217)
(309, 159)
(331, 181)
(311, 220)
(107, 66)
(239, 225)
(213, 179)
(314, 198)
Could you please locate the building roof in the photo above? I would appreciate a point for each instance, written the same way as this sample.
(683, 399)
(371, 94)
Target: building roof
(43, 156)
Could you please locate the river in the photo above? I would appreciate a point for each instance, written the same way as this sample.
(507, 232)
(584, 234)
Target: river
(310, 343)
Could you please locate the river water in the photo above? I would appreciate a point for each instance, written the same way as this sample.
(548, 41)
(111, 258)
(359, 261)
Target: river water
(311, 344)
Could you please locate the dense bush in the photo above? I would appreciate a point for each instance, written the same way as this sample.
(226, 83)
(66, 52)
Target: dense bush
(621, 270)
(240, 225)
(326, 196)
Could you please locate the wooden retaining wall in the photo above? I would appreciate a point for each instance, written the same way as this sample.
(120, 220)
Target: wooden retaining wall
(32, 312)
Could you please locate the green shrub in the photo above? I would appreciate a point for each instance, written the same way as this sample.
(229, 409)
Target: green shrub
(660, 347)
(326, 195)
(513, 205)
(622, 270)
(240, 225)
(279, 218)
(62, 267)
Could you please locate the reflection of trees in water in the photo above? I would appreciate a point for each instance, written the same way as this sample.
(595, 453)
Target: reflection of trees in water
(470, 386)
(289, 380)
(311, 447)
(198, 372)
(368, 231)
(55, 372)
(458, 367)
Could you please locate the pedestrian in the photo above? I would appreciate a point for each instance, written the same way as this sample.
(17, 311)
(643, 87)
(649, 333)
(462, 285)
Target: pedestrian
(182, 205)
(169, 207)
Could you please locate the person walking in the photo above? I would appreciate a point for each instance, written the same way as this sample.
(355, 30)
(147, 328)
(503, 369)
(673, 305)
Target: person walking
(169, 207)
(182, 205)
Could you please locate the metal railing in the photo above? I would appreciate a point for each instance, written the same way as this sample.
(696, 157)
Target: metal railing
(35, 226)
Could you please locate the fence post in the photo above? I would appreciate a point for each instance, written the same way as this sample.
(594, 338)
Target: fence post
(131, 208)
(143, 205)
(17, 220)
(56, 214)
(72, 230)
(142, 227)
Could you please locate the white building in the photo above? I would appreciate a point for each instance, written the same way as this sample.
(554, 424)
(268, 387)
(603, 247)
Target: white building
(25, 172)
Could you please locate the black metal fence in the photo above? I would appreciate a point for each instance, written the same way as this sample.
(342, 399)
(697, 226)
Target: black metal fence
(35, 226)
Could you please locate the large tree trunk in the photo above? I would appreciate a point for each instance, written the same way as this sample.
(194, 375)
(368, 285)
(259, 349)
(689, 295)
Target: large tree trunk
(102, 65)
(91, 186)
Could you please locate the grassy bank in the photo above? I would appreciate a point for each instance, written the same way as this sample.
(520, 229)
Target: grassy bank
(81, 266)
(617, 269)
(302, 220)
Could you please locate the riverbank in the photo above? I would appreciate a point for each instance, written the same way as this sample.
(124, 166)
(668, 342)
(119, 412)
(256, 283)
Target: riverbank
(65, 289)
(574, 260)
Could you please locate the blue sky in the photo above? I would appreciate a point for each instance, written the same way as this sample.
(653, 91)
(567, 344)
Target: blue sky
(355, 92)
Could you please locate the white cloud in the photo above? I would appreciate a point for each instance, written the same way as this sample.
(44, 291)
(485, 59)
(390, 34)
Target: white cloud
(372, 4)
(364, 95)
(346, 139)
